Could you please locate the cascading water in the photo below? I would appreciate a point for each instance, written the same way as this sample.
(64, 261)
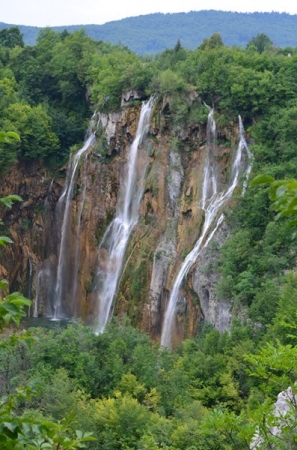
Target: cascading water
(64, 204)
(42, 282)
(250, 157)
(74, 290)
(114, 242)
(209, 186)
(36, 302)
(211, 202)
(30, 277)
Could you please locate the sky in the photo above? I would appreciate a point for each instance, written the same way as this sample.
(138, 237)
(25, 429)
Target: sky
(44, 13)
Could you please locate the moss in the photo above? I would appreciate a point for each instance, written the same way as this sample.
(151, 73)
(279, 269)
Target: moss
(102, 225)
(185, 253)
(90, 282)
(26, 224)
(138, 281)
(39, 208)
(101, 147)
(152, 182)
(134, 285)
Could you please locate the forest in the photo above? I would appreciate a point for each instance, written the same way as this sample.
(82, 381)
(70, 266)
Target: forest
(154, 33)
(69, 388)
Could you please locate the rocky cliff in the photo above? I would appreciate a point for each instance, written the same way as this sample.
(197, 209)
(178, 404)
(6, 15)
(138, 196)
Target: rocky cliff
(169, 224)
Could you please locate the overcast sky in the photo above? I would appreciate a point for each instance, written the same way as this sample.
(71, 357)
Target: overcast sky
(76, 12)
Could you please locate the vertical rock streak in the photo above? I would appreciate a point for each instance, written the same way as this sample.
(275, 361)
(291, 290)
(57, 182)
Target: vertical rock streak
(211, 202)
(115, 239)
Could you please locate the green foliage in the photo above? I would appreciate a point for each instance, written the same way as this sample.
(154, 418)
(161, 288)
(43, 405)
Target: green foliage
(121, 421)
(111, 73)
(214, 41)
(283, 325)
(283, 195)
(7, 138)
(235, 28)
(34, 125)
(28, 433)
(11, 37)
(261, 42)
(274, 366)
(209, 392)
(10, 308)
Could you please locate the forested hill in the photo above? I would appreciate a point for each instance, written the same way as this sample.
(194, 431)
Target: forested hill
(153, 33)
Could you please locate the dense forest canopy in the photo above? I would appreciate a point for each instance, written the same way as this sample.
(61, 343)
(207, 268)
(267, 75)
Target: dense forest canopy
(216, 390)
(153, 33)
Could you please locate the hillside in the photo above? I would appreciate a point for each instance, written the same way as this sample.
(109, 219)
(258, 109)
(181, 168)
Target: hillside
(153, 33)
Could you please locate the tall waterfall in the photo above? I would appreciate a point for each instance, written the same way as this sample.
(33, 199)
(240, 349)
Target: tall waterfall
(114, 242)
(212, 203)
(64, 207)
(77, 248)
(209, 185)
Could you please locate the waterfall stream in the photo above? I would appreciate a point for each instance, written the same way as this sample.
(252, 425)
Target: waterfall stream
(114, 242)
(30, 279)
(212, 203)
(74, 287)
(42, 282)
(64, 204)
(250, 156)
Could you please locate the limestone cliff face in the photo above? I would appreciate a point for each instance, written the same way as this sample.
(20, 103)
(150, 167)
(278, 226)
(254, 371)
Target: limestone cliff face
(169, 225)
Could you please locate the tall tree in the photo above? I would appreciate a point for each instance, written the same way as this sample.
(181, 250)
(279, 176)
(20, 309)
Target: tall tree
(11, 37)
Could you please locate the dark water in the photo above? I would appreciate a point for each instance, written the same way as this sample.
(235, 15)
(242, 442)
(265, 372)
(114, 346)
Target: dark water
(44, 322)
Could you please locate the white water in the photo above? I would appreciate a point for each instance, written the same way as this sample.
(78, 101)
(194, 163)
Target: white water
(209, 186)
(250, 156)
(115, 239)
(74, 287)
(35, 311)
(211, 202)
(30, 284)
(42, 282)
(46, 203)
(65, 200)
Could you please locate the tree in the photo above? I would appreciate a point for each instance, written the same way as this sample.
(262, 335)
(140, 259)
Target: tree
(261, 42)
(121, 421)
(11, 37)
(282, 194)
(215, 41)
(35, 126)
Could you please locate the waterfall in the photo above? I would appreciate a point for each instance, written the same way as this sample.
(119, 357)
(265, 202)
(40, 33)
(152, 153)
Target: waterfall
(114, 242)
(64, 204)
(46, 202)
(30, 284)
(211, 202)
(42, 282)
(38, 285)
(74, 290)
(209, 186)
(250, 157)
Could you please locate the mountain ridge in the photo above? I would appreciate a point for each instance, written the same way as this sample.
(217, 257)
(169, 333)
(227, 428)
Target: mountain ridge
(153, 33)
